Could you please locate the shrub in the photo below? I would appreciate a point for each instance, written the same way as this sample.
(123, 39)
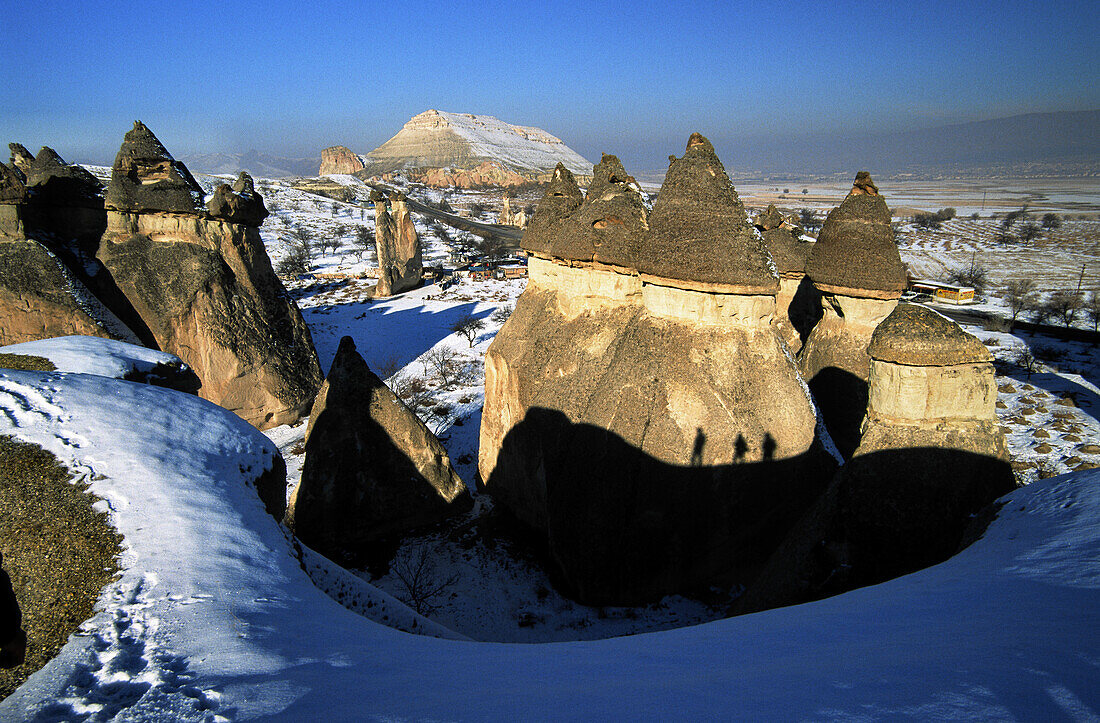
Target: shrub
(1051, 221)
(502, 313)
(974, 275)
(927, 220)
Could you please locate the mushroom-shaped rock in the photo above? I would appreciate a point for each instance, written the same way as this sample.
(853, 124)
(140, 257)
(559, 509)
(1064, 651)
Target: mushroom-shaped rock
(146, 178)
(798, 303)
(769, 219)
(698, 231)
(561, 199)
(917, 336)
(856, 266)
(372, 469)
(239, 204)
(930, 458)
(648, 425)
(397, 245)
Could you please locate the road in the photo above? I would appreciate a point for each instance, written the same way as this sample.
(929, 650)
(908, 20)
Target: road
(484, 230)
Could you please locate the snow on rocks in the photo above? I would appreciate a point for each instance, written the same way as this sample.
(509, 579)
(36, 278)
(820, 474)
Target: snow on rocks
(101, 357)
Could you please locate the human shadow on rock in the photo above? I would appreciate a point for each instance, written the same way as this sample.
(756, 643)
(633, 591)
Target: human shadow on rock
(626, 528)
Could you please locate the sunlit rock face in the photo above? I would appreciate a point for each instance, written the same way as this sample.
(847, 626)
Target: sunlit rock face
(931, 457)
(372, 469)
(400, 260)
(798, 303)
(640, 411)
(856, 267)
(339, 159)
(201, 283)
(51, 218)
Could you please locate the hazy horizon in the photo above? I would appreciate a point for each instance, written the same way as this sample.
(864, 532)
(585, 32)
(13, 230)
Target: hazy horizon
(761, 82)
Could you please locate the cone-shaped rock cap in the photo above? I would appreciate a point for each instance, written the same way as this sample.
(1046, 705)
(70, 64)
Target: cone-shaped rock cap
(767, 220)
(239, 204)
(12, 189)
(146, 177)
(21, 158)
(917, 336)
(57, 183)
(608, 224)
(561, 199)
(698, 230)
(855, 253)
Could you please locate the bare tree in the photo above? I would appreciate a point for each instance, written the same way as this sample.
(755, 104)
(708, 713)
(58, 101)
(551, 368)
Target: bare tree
(413, 390)
(1051, 221)
(1029, 232)
(1026, 360)
(468, 326)
(1064, 306)
(423, 585)
(364, 244)
(1092, 309)
(809, 219)
(1019, 294)
(443, 361)
(974, 276)
(502, 313)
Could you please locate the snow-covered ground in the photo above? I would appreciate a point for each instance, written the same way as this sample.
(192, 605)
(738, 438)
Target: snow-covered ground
(215, 617)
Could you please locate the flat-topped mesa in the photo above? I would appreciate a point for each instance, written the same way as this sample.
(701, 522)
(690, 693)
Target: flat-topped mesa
(856, 266)
(931, 456)
(798, 303)
(699, 236)
(239, 203)
(147, 179)
(637, 420)
(562, 197)
(339, 159)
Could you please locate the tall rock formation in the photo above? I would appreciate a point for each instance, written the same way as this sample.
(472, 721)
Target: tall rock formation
(400, 263)
(372, 469)
(798, 303)
(931, 456)
(51, 217)
(856, 266)
(202, 284)
(339, 159)
(640, 411)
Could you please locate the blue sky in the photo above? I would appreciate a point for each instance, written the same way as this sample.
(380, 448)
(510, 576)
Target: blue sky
(293, 77)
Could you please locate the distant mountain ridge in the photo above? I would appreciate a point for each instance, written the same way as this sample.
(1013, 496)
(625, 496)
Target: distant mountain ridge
(257, 164)
(1059, 142)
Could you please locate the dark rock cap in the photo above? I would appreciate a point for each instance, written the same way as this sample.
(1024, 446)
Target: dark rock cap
(917, 336)
(561, 199)
(54, 182)
(609, 223)
(789, 253)
(864, 184)
(146, 177)
(856, 251)
(698, 230)
(21, 158)
(239, 204)
(12, 189)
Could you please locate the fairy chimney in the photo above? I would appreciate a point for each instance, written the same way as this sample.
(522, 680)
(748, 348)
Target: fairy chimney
(640, 411)
(202, 284)
(930, 458)
(856, 267)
